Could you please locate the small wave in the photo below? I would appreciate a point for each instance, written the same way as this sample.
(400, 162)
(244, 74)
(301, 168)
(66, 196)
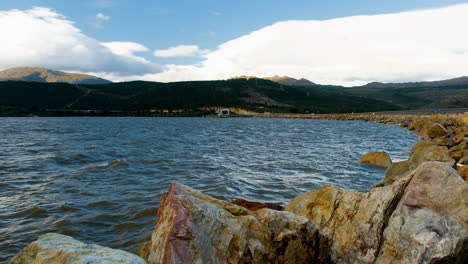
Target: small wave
(67, 208)
(3, 184)
(3, 167)
(35, 211)
(114, 163)
(145, 213)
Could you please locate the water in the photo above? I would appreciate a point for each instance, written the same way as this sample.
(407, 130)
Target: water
(100, 179)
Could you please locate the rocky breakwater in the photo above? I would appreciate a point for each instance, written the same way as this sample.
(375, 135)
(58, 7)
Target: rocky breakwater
(419, 214)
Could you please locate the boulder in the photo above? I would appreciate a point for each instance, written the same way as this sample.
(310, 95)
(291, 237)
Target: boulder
(430, 153)
(197, 228)
(435, 130)
(381, 159)
(421, 144)
(430, 223)
(353, 222)
(396, 171)
(55, 249)
(459, 151)
(254, 206)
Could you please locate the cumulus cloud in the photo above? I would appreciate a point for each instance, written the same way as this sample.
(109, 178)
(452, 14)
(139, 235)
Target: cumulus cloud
(42, 37)
(180, 51)
(408, 46)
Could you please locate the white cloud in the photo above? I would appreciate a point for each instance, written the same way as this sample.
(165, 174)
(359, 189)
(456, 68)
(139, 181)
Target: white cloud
(99, 20)
(180, 51)
(42, 37)
(408, 46)
(216, 13)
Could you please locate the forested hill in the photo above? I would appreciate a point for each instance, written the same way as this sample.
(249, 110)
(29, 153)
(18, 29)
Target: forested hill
(254, 94)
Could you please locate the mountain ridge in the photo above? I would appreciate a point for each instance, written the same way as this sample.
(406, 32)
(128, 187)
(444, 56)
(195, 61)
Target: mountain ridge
(38, 74)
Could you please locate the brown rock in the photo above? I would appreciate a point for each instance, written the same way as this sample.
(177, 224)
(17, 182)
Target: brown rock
(381, 159)
(254, 206)
(397, 171)
(435, 131)
(430, 153)
(457, 152)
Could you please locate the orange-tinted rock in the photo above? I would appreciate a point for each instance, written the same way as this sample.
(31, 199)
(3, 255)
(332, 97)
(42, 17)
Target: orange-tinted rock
(381, 159)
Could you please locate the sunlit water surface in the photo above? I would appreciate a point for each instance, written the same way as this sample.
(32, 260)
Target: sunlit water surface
(100, 179)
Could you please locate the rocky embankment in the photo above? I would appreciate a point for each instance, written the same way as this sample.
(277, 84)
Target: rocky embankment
(418, 214)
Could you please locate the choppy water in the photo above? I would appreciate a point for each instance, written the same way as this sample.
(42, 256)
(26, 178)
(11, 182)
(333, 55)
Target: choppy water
(100, 179)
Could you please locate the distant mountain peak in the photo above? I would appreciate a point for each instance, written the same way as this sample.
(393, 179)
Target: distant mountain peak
(289, 80)
(286, 80)
(37, 74)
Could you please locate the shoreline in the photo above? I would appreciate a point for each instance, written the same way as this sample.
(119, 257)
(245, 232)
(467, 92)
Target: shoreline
(345, 235)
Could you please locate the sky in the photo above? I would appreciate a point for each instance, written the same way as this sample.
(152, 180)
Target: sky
(339, 42)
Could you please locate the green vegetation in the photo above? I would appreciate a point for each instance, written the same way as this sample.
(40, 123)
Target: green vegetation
(192, 98)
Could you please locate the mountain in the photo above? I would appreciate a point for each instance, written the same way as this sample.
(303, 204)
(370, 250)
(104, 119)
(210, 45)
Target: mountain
(192, 98)
(279, 79)
(450, 82)
(34, 74)
(289, 81)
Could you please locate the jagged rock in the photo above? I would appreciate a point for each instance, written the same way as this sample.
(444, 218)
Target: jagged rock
(430, 223)
(457, 152)
(254, 206)
(436, 130)
(196, 228)
(423, 151)
(56, 249)
(430, 153)
(381, 159)
(421, 144)
(352, 221)
(396, 171)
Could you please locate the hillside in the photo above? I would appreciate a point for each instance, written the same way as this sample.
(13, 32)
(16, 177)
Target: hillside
(254, 94)
(450, 82)
(34, 74)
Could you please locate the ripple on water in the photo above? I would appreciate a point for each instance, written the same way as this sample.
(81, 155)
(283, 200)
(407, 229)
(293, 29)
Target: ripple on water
(101, 179)
(34, 211)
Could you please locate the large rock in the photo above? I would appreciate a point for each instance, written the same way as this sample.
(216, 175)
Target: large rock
(436, 130)
(459, 151)
(197, 228)
(396, 171)
(381, 159)
(430, 223)
(423, 151)
(57, 249)
(430, 153)
(352, 221)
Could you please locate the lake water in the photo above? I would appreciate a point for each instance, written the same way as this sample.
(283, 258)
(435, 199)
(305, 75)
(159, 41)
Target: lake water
(100, 179)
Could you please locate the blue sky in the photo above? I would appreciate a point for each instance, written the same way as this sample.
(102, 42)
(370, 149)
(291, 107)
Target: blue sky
(159, 25)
